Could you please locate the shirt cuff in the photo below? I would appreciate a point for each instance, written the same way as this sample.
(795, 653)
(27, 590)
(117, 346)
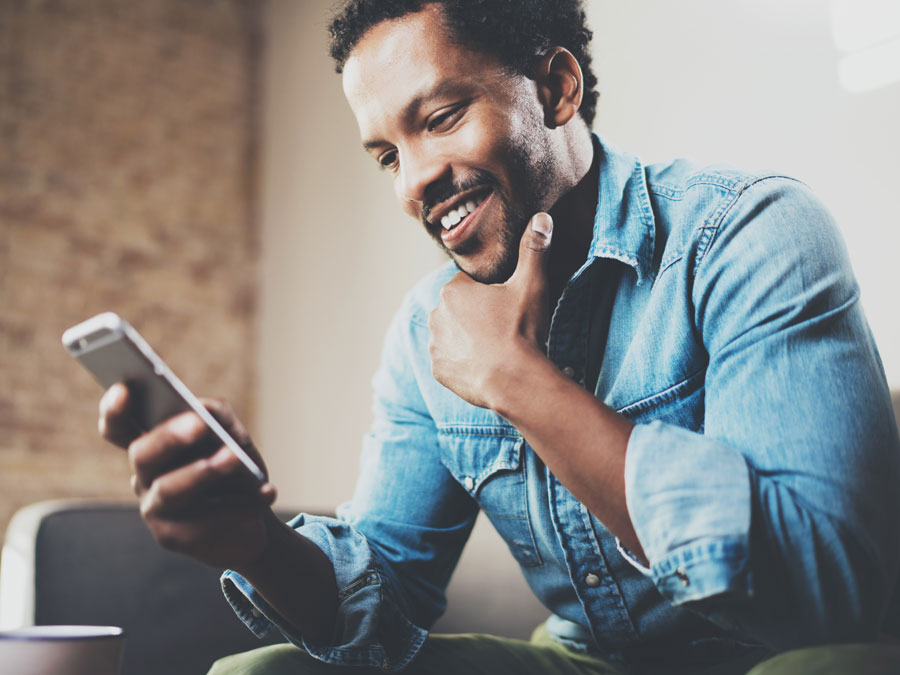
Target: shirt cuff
(689, 500)
(370, 629)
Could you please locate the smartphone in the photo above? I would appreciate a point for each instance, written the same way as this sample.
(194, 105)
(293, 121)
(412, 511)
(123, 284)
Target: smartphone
(113, 352)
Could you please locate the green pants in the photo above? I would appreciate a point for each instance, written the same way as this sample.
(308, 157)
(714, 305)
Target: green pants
(472, 654)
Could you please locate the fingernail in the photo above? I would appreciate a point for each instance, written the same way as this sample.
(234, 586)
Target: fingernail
(110, 398)
(542, 223)
(184, 425)
(221, 457)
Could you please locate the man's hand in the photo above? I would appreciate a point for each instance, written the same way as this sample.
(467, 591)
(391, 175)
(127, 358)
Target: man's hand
(195, 495)
(477, 329)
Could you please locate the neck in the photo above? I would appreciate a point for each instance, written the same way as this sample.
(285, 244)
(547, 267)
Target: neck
(573, 219)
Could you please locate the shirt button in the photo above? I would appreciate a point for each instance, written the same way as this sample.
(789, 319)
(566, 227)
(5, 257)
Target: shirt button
(681, 573)
(469, 482)
(256, 613)
(569, 372)
(592, 580)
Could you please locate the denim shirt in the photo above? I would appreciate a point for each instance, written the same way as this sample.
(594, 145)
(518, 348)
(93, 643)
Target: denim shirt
(762, 476)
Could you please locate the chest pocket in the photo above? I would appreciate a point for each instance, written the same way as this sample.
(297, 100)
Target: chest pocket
(488, 463)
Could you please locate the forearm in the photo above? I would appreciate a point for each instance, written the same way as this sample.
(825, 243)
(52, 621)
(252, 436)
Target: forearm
(297, 579)
(581, 440)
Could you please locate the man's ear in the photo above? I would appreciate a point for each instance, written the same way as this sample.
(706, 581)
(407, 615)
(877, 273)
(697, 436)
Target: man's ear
(560, 86)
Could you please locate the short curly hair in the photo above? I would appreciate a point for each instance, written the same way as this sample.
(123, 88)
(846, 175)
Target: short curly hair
(517, 32)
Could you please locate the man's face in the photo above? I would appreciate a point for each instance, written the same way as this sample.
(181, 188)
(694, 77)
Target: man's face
(463, 139)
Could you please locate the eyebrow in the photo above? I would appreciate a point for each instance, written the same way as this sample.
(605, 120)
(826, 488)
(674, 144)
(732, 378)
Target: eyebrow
(439, 90)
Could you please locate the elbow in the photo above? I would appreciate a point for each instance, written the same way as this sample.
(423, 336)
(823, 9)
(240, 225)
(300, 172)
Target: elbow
(810, 596)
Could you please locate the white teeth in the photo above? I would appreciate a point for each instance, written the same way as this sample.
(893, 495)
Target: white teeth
(457, 214)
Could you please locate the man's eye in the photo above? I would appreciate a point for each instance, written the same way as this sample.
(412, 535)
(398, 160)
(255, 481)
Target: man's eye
(444, 120)
(388, 159)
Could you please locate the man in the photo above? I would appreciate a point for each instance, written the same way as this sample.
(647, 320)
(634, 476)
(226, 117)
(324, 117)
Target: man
(656, 381)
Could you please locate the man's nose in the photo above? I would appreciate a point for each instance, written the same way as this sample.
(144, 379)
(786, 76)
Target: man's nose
(418, 171)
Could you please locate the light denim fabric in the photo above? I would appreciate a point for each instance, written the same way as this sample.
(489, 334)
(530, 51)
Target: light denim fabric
(763, 476)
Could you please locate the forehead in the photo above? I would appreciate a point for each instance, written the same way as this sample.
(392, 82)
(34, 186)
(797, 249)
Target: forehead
(398, 59)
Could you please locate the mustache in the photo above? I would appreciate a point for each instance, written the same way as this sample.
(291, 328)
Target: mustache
(438, 193)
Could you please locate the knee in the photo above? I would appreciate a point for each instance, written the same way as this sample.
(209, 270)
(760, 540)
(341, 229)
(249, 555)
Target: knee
(858, 659)
(271, 660)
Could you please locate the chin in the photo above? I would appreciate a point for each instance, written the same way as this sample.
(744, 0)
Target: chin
(495, 271)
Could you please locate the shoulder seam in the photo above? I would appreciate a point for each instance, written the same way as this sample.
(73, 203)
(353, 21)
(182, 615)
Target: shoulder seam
(710, 228)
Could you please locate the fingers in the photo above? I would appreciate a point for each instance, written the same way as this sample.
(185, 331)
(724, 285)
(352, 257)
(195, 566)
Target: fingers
(116, 423)
(224, 414)
(176, 442)
(210, 479)
(534, 249)
(193, 510)
(221, 533)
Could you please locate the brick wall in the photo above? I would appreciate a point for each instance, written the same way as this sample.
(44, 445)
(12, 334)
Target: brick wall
(127, 140)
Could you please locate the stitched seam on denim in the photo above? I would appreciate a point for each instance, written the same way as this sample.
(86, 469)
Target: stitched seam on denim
(703, 552)
(610, 581)
(717, 180)
(243, 607)
(358, 656)
(615, 254)
(713, 225)
(488, 430)
(663, 268)
(535, 551)
(667, 394)
(370, 579)
(494, 468)
(644, 205)
(670, 192)
(710, 224)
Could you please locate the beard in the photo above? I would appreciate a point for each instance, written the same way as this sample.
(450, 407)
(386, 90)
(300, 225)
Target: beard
(531, 171)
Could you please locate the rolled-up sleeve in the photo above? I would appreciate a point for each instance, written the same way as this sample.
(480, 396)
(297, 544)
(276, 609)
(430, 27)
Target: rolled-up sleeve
(396, 543)
(780, 519)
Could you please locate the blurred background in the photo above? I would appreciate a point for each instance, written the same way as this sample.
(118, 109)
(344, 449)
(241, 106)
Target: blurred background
(192, 165)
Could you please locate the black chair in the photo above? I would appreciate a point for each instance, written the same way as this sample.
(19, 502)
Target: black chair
(94, 562)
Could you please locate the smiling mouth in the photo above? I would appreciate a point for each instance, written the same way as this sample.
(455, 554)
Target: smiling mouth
(456, 215)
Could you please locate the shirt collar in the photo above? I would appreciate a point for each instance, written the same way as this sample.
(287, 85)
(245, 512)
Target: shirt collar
(624, 226)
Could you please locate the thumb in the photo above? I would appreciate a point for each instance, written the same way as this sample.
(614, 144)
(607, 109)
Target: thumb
(534, 247)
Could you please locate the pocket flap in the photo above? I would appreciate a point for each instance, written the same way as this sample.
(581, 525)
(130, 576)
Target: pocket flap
(474, 454)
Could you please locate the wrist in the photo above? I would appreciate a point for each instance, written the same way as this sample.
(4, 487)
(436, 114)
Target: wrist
(520, 377)
(275, 534)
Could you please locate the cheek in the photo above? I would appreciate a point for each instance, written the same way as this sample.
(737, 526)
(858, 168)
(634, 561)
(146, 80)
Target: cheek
(486, 144)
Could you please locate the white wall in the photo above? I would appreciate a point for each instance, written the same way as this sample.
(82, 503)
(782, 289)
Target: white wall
(748, 81)
(337, 257)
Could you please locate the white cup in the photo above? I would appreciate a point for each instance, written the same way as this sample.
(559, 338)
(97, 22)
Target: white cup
(61, 650)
